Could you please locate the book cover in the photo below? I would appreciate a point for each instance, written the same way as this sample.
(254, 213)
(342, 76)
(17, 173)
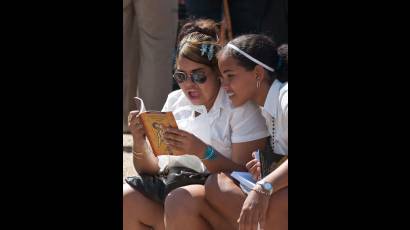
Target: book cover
(245, 180)
(155, 124)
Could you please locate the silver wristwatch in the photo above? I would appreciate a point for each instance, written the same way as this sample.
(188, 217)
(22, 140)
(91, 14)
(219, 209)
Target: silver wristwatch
(266, 186)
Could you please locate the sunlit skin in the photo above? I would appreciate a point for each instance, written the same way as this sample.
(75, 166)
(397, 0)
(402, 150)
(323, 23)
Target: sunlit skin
(236, 81)
(199, 94)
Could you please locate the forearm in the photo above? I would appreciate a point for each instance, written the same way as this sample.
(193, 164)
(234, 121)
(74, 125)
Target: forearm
(279, 177)
(143, 159)
(218, 162)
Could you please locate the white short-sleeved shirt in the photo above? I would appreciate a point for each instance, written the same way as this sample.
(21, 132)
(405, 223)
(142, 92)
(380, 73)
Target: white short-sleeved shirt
(227, 124)
(276, 106)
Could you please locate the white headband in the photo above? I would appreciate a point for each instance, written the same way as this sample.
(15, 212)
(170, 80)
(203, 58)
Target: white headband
(251, 58)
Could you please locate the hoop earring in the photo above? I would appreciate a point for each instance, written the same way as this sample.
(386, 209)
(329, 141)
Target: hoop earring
(258, 83)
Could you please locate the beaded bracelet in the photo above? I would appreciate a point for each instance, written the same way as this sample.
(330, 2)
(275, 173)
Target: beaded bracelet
(209, 153)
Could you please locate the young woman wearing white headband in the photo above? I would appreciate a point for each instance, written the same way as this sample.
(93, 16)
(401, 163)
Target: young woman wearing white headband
(254, 69)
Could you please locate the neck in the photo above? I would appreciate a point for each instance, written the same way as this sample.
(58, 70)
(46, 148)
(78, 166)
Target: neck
(261, 93)
(212, 101)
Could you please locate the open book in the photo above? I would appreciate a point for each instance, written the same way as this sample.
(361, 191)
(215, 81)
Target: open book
(155, 123)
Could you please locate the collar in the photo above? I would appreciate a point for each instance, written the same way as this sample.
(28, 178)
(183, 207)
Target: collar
(272, 99)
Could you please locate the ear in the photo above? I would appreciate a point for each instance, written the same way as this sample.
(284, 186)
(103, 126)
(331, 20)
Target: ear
(259, 72)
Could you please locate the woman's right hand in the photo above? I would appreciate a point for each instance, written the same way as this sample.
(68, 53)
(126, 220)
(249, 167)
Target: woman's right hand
(135, 126)
(254, 167)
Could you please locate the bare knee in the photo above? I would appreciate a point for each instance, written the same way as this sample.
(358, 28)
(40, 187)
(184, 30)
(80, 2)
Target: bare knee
(216, 186)
(180, 201)
(127, 193)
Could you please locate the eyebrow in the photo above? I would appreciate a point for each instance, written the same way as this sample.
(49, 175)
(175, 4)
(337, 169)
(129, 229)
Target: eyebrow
(228, 70)
(194, 70)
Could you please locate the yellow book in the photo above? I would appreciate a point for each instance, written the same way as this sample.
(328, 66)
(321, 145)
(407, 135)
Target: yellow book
(155, 124)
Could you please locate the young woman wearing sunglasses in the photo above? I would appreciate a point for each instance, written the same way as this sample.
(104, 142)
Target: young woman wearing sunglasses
(234, 132)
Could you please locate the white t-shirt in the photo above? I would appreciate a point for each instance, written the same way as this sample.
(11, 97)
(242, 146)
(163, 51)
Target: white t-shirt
(276, 106)
(224, 124)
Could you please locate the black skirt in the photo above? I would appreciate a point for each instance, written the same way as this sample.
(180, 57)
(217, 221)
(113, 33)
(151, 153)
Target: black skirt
(156, 187)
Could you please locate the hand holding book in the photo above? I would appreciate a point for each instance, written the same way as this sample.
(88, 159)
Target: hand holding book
(254, 166)
(183, 142)
(135, 126)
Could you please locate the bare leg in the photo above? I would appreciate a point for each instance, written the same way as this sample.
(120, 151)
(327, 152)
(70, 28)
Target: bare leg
(140, 212)
(225, 197)
(277, 214)
(186, 208)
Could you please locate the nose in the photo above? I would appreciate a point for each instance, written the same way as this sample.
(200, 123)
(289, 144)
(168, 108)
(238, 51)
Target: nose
(188, 83)
(224, 84)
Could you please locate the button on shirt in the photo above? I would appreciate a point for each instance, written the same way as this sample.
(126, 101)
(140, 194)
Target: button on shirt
(275, 111)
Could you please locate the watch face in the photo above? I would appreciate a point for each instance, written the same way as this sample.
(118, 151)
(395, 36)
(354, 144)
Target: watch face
(267, 186)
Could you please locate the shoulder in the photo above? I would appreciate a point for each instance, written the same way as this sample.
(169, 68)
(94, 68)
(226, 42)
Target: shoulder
(283, 98)
(245, 108)
(248, 112)
(175, 99)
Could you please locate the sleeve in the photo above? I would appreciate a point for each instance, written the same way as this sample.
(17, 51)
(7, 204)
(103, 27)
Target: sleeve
(284, 101)
(169, 103)
(248, 124)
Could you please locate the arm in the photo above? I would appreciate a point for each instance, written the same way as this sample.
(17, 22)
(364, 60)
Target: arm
(185, 142)
(143, 159)
(279, 177)
(256, 204)
(240, 155)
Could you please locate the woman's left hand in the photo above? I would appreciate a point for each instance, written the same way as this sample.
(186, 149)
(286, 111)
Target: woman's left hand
(183, 142)
(253, 211)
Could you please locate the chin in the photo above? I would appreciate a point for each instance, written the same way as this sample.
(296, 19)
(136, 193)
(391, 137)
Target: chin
(237, 103)
(196, 101)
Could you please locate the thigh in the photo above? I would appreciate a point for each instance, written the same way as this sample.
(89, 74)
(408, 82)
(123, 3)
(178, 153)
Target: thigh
(277, 213)
(225, 197)
(139, 208)
(188, 204)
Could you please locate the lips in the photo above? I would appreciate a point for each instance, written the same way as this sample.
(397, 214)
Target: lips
(193, 94)
(230, 94)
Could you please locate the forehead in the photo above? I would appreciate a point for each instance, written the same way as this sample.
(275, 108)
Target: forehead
(187, 65)
(227, 61)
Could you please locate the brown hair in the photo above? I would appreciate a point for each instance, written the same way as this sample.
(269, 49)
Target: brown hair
(194, 37)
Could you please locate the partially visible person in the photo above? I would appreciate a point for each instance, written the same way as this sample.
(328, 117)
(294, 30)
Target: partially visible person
(224, 138)
(149, 32)
(254, 69)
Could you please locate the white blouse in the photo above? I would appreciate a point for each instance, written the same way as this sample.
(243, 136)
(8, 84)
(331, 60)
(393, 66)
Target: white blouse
(222, 125)
(276, 106)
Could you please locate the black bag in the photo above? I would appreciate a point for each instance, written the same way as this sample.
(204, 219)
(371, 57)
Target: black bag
(157, 187)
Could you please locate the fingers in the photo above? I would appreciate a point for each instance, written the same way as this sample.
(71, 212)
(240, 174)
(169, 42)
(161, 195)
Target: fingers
(241, 220)
(132, 115)
(253, 220)
(248, 219)
(251, 163)
(256, 171)
(262, 221)
(179, 132)
(135, 125)
(173, 138)
(173, 143)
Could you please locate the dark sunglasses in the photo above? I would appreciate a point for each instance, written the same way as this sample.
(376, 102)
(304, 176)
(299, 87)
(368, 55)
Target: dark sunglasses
(196, 77)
